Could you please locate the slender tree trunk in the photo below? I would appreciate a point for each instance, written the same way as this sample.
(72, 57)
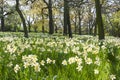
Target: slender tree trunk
(75, 24)
(95, 28)
(29, 26)
(65, 18)
(2, 24)
(22, 19)
(79, 22)
(2, 18)
(99, 20)
(69, 25)
(43, 28)
(51, 26)
(68, 21)
(56, 29)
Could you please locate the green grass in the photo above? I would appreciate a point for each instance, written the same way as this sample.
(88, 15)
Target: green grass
(20, 58)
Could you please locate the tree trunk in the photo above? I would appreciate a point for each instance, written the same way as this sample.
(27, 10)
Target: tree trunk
(22, 19)
(43, 28)
(68, 21)
(51, 26)
(99, 20)
(79, 22)
(75, 23)
(69, 25)
(56, 29)
(29, 26)
(2, 20)
(2, 24)
(95, 28)
(65, 19)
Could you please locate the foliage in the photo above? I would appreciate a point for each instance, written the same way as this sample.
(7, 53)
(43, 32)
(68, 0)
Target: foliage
(116, 23)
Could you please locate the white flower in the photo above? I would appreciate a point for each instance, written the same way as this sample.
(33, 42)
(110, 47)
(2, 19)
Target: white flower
(42, 62)
(78, 53)
(26, 64)
(96, 71)
(64, 62)
(49, 60)
(53, 61)
(29, 60)
(79, 61)
(88, 61)
(112, 77)
(79, 68)
(89, 49)
(16, 68)
(97, 62)
(71, 60)
(66, 50)
(37, 67)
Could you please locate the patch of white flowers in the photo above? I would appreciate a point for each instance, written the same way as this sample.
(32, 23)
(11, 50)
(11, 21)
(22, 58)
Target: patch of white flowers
(64, 62)
(80, 52)
(29, 60)
(16, 68)
(112, 77)
(88, 61)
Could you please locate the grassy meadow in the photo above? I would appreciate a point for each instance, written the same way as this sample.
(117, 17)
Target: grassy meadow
(46, 57)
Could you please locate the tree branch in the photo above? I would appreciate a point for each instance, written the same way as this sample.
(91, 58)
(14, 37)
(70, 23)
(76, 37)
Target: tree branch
(45, 2)
(8, 13)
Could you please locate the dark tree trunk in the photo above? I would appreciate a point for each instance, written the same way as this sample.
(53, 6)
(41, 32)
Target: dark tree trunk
(65, 18)
(2, 24)
(95, 28)
(51, 26)
(75, 24)
(29, 26)
(68, 21)
(56, 28)
(22, 19)
(43, 28)
(2, 20)
(99, 20)
(69, 25)
(79, 14)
